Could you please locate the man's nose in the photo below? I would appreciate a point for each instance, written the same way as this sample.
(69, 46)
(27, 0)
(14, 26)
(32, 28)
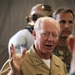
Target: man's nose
(50, 38)
(66, 25)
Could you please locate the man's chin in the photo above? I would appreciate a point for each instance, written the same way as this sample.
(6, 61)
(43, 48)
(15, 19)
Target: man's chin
(49, 52)
(64, 36)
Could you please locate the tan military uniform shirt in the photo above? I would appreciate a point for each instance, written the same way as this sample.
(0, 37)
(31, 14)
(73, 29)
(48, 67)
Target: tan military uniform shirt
(34, 65)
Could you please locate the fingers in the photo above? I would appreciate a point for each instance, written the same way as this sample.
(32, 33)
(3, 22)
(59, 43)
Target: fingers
(11, 63)
(12, 51)
(23, 53)
(16, 60)
(14, 66)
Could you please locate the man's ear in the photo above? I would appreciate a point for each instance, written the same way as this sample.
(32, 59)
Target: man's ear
(70, 42)
(34, 34)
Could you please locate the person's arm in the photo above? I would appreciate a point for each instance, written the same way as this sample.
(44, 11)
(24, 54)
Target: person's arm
(71, 45)
(17, 40)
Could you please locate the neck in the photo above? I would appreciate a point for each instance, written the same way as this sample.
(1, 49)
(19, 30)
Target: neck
(44, 55)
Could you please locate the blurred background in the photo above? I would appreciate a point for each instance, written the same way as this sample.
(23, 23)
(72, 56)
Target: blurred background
(12, 18)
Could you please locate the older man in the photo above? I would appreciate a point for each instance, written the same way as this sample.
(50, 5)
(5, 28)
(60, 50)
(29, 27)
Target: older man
(38, 60)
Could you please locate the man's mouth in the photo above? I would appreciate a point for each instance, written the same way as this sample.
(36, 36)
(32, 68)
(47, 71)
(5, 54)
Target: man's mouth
(66, 32)
(48, 46)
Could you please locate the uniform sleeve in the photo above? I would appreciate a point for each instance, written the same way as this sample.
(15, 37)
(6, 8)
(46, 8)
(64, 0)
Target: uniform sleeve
(5, 68)
(17, 40)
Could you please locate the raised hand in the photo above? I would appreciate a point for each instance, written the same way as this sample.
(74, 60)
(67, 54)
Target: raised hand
(16, 61)
(71, 45)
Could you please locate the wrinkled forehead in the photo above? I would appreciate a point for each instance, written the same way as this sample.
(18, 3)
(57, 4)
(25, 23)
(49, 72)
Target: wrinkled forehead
(48, 24)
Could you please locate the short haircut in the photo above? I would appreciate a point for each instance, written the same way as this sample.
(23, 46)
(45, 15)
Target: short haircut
(62, 10)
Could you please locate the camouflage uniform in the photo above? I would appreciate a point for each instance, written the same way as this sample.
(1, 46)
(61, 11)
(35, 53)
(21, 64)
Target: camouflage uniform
(71, 74)
(64, 54)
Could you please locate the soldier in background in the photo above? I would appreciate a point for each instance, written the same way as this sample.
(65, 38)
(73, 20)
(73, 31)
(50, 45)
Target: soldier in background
(65, 17)
(23, 38)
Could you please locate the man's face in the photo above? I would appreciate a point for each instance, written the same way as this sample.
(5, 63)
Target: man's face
(46, 38)
(66, 23)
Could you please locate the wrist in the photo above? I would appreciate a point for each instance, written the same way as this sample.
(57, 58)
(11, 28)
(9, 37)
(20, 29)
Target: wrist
(11, 72)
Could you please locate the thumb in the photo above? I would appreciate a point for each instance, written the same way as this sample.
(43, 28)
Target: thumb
(23, 52)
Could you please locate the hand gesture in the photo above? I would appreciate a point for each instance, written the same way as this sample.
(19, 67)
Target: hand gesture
(16, 60)
(71, 45)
